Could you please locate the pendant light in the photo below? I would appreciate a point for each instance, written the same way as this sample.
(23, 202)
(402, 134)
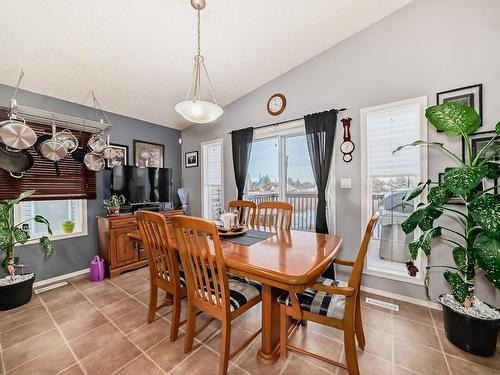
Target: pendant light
(193, 108)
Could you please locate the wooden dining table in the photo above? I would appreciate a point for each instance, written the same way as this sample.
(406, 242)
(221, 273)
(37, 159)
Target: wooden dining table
(290, 260)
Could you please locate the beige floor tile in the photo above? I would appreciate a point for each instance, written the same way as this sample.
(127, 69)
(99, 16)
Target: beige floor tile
(449, 348)
(68, 299)
(73, 370)
(105, 362)
(140, 365)
(417, 313)
(73, 312)
(238, 336)
(168, 354)
(416, 332)
(132, 320)
(104, 299)
(142, 272)
(204, 356)
(419, 358)
(52, 362)
(459, 366)
(84, 324)
(35, 301)
(299, 366)
(22, 317)
(117, 309)
(331, 332)
(132, 284)
(82, 282)
(104, 337)
(29, 349)
(150, 334)
(398, 370)
(378, 319)
(248, 361)
(57, 293)
(438, 317)
(369, 365)
(378, 343)
(25, 332)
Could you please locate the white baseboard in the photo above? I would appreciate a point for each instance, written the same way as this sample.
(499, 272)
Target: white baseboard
(60, 278)
(415, 301)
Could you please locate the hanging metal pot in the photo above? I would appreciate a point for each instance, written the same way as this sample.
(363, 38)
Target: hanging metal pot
(38, 144)
(108, 152)
(94, 162)
(97, 143)
(52, 148)
(16, 135)
(15, 162)
(68, 139)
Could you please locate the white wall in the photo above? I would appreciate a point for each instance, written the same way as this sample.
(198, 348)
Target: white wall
(426, 47)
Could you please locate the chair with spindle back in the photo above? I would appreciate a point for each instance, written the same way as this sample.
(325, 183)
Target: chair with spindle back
(164, 270)
(209, 287)
(274, 215)
(246, 211)
(332, 303)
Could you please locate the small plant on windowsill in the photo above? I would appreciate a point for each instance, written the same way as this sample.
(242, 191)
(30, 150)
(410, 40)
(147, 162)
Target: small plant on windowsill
(113, 204)
(469, 323)
(16, 290)
(68, 226)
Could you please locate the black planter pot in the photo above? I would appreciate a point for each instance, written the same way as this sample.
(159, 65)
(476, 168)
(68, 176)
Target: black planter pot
(475, 336)
(15, 295)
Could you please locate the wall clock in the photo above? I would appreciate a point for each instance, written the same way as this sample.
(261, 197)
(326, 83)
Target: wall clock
(347, 147)
(276, 104)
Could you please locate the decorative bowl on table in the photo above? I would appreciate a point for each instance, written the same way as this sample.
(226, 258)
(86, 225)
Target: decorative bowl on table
(236, 231)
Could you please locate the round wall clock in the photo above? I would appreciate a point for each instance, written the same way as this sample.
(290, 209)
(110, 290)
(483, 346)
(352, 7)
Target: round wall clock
(347, 147)
(276, 104)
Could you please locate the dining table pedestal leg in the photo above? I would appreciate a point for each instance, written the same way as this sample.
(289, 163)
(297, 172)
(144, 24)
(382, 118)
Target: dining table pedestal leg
(269, 352)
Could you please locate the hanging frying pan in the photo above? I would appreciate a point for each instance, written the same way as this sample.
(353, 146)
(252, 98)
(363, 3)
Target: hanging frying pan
(108, 152)
(15, 162)
(16, 135)
(94, 162)
(68, 139)
(53, 149)
(38, 144)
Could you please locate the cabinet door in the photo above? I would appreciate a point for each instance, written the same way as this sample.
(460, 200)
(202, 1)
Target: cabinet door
(122, 248)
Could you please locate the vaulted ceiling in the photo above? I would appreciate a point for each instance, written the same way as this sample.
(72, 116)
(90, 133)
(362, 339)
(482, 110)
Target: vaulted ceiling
(137, 54)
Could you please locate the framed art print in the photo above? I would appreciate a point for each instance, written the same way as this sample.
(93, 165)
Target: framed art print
(121, 156)
(191, 159)
(148, 154)
(471, 96)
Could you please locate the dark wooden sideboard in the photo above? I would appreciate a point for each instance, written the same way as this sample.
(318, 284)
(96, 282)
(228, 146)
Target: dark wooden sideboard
(119, 251)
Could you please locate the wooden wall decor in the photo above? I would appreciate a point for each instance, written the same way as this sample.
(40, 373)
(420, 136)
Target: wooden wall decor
(74, 182)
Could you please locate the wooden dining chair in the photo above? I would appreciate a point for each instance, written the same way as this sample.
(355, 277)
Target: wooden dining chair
(209, 287)
(332, 303)
(246, 211)
(164, 270)
(275, 215)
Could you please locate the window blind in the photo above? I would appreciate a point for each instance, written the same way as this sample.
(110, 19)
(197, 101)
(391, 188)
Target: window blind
(386, 130)
(214, 164)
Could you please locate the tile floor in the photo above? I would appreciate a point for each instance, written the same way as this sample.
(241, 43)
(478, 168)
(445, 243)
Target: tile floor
(100, 328)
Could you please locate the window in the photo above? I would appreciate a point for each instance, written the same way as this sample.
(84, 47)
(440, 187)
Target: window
(387, 177)
(280, 170)
(56, 212)
(213, 192)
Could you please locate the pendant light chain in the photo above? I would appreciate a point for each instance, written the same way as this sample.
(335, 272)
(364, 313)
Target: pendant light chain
(199, 32)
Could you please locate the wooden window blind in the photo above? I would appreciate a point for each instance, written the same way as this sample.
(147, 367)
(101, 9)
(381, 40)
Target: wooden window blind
(74, 182)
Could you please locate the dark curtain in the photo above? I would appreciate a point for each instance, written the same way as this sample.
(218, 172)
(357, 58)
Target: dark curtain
(241, 141)
(320, 132)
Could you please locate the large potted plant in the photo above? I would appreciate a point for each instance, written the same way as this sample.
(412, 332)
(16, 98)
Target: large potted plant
(15, 290)
(113, 204)
(475, 245)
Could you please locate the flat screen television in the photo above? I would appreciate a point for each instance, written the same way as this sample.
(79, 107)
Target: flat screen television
(141, 185)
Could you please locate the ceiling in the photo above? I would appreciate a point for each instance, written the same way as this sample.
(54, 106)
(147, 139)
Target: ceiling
(137, 54)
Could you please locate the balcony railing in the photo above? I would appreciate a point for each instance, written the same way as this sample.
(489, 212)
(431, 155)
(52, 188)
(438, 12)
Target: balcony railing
(304, 208)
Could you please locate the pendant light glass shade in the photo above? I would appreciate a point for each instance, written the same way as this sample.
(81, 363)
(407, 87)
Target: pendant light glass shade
(194, 109)
(199, 111)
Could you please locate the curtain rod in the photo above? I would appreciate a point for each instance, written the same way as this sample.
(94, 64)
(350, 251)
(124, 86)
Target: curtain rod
(287, 121)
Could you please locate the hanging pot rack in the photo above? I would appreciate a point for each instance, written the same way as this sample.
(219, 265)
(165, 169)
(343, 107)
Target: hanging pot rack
(41, 116)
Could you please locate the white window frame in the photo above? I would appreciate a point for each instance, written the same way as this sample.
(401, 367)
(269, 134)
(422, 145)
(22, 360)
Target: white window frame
(59, 236)
(298, 128)
(204, 172)
(421, 261)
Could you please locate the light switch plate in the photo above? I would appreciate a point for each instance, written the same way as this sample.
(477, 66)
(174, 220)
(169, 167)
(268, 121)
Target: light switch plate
(345, 183)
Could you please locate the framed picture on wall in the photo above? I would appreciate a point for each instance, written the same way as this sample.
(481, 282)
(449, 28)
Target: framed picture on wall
(148, 154)
(471, 96)
(121, 156)
(191, 159)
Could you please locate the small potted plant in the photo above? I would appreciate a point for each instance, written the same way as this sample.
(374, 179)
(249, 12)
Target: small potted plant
(474, 241)
(16, 290)
(68, 226)
(113, 204)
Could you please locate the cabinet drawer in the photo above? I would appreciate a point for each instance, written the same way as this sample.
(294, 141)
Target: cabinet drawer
(123, 223)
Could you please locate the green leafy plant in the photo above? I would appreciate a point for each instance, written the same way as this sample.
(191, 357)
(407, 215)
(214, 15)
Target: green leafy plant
(477, 244)
(114, 201)
(11, 234)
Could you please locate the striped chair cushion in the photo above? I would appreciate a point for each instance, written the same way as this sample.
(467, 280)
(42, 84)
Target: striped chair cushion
(318, 302)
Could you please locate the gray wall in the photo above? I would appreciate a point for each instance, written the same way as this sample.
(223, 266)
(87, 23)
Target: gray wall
(75, 254)
(427, 47)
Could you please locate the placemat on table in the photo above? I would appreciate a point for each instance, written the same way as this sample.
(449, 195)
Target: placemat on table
(249, 238)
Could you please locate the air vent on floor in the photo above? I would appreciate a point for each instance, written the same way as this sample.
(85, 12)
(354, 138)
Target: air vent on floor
(385, 305)
(50, 287)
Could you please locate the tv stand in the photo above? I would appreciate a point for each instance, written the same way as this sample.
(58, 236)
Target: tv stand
(118, 250)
